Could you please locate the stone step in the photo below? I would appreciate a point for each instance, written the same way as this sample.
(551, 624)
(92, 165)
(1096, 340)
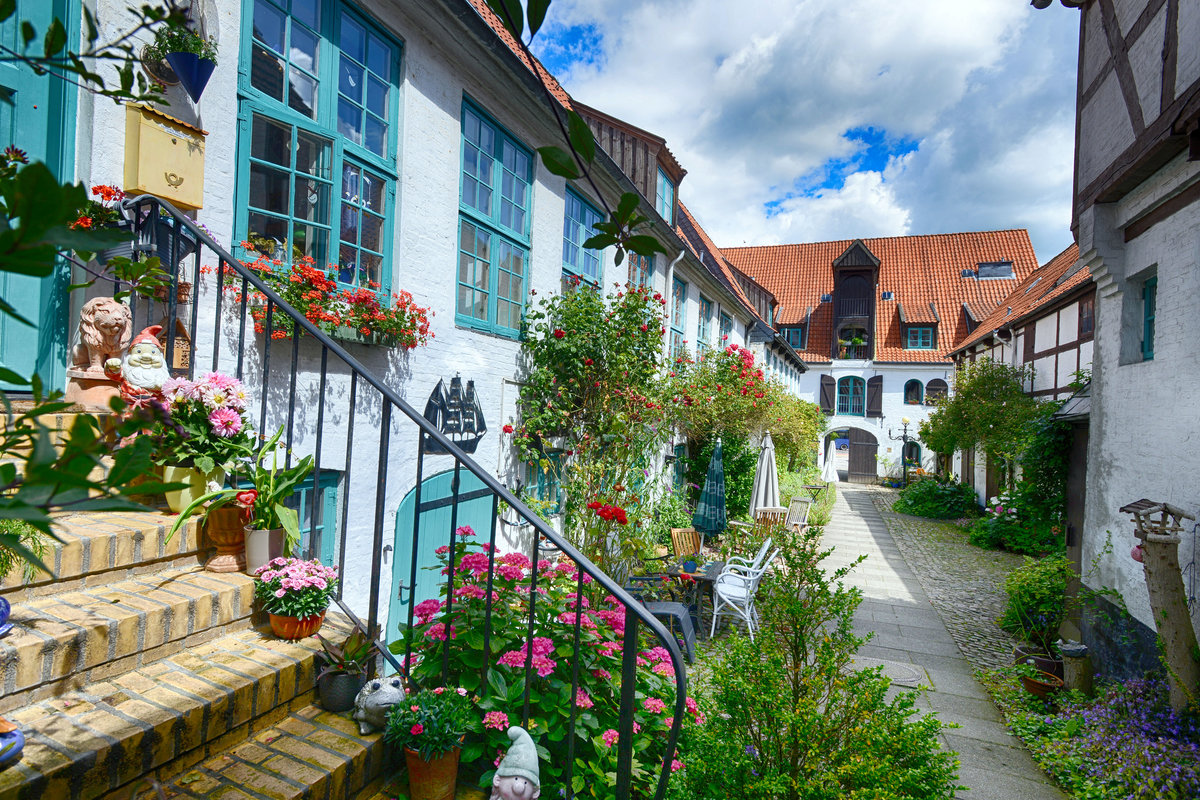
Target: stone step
(99, 548)
(95, 632)
(309, 754)
(160, 720)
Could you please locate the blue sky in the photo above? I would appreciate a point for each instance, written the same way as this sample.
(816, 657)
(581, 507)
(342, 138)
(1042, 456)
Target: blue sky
(805, 120)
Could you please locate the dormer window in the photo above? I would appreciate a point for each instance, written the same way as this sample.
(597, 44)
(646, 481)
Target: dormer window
(795, 337)
(995, 269)
(920, 338)
(664, 199)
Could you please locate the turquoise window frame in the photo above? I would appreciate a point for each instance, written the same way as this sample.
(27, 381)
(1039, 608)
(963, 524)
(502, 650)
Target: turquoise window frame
(579, 217)
(920, 338)
(725, 328)
(664, 196)
(506, 241)
(796, 337)
(641, 270)
(1149, 312)
(679, 293)
(343, 151)
(852, 397)
(920, 399)
(704, 325)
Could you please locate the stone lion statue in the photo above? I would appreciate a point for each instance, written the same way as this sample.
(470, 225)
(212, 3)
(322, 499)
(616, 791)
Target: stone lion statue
(105, 330)
(373, 703)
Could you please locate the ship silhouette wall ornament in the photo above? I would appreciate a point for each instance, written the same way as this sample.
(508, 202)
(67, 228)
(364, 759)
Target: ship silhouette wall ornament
(456, 413)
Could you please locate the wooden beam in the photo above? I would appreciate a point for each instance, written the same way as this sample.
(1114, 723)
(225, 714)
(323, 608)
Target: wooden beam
(1170, 54)
(1162, 212)
(1120, 55)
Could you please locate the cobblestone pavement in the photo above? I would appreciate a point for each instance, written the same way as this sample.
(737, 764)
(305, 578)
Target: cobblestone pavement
(964, 583)
(922, 600)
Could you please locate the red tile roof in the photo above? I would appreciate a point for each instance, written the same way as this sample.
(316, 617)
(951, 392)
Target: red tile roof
(924, 273)
(534, 66)
(1041, 288)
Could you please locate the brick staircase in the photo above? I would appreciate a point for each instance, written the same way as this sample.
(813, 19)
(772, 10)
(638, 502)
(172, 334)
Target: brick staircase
(133, 665)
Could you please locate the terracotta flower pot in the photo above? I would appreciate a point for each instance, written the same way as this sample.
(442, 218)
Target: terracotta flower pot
(1027, 654)
(224, 529)
(435, 779)
(293, 628)
(1042, 684)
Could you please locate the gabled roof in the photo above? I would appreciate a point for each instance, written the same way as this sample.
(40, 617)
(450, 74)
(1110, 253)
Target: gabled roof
(1039, 290)
(924, 273)
(697, 240)
(534, 66)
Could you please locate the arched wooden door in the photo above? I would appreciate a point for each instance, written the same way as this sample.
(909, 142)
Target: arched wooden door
(863, 450)
(437, 505)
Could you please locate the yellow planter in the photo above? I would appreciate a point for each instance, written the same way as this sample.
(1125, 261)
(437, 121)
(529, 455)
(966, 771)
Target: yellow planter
(197, 485)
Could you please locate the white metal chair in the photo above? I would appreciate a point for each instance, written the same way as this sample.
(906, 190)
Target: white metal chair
(734, 591)
(741, 561)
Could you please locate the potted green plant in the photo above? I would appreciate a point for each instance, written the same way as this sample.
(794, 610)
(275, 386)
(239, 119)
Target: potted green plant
(1037, 682)
(191, 56)
(272, 529)
(344, 670)
(430, 726)
(1037, 605)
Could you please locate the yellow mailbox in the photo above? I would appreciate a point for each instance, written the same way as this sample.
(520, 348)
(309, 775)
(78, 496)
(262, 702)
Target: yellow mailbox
(164, 157)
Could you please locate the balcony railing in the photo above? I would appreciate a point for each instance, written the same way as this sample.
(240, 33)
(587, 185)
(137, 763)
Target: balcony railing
(853, 307)
(860, 352)
(349, 419)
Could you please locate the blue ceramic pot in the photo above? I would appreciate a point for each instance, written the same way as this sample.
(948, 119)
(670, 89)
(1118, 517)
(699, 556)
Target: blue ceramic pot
(11, 745)
(5, 610)
(193, 72)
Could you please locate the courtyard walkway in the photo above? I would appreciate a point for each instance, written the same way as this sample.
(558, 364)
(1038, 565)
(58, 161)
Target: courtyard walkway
(912, 643)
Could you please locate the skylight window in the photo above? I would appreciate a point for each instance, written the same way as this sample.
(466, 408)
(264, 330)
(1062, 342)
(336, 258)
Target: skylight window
(995, 269)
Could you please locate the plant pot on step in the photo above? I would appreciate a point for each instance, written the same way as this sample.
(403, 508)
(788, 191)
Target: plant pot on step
(196, 481)
(262, 546)
(435, 779)
(338, 689)
(193, 72)
(12, 742)
(225, 530)
(1039, 659)
(1042, 685)
(294, 628)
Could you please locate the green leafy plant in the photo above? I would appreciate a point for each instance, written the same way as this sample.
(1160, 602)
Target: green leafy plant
(175, 38)
(291, 587)
(455, 633)
(1009, 524)
(352, 656)
(24, 538)
(936, 497)
(788, 715)
(432, 722)
(1037, 600)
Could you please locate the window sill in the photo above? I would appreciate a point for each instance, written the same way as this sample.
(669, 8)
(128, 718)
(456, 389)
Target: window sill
(479, 326)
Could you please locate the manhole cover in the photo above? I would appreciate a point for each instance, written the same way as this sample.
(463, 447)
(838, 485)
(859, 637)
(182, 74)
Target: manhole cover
(908, 675)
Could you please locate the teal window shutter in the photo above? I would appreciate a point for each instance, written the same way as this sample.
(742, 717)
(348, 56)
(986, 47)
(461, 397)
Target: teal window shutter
(1149, 310)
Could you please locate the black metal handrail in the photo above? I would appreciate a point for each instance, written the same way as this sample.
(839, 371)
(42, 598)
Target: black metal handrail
(161, 229)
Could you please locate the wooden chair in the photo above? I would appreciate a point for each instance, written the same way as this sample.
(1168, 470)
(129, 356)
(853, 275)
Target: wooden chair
(685, 542)
(766, 519)
(797, 514)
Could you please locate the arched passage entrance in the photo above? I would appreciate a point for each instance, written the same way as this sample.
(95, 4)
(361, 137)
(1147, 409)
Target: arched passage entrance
(862, 464)
(437, 513)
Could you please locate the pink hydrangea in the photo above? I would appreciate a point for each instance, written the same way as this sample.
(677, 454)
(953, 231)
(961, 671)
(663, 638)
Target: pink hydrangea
(585, 621)
(663, 668)
(515, 560)
(426, 610)
(438, 631)
(496, 719)
(464, 530)
(583, 699)
(474, 562)
(676, 765)
(602, 674)
(510, 572)
(610, 737)
(654, 705)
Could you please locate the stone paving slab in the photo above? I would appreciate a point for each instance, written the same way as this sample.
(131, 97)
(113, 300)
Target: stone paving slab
(931, 607)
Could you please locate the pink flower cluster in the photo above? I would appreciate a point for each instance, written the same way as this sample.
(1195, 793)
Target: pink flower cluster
(222, 396)
(542, 664)
(292, 574)
(496, 719)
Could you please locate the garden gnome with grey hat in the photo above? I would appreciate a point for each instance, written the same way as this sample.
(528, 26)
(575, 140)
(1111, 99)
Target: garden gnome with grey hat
(517, 776)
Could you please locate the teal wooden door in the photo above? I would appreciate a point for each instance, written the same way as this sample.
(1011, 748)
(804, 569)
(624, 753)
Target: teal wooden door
(474, 509)
(39, 119)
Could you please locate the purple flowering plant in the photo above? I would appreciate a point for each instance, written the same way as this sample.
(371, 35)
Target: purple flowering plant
(292, 587)
(495, 671)
(1127, 742)
(206, 425)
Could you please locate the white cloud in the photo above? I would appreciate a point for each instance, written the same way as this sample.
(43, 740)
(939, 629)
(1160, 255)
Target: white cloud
(754, 98)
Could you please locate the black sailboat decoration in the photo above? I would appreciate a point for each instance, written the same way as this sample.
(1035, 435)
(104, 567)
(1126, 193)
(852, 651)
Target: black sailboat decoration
(456, 412)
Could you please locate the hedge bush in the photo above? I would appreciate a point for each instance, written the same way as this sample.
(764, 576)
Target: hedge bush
(936, 498)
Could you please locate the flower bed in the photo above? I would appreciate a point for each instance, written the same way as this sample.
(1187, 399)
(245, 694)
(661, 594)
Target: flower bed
(358, 315)
(459, 630)
(1126, 743)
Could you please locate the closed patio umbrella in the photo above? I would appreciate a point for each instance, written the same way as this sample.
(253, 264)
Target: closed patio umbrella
(710, 510)
(830, 473)
(766, 478)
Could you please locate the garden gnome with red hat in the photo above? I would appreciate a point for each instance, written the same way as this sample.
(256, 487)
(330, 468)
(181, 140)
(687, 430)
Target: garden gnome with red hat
(517, 776)
(144, 370)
